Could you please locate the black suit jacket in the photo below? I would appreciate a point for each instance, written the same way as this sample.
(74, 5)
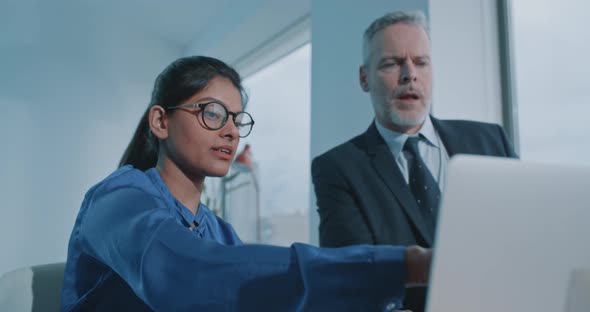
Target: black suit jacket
(363, 198)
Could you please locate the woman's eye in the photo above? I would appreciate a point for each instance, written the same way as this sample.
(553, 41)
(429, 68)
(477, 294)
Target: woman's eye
(212, 115)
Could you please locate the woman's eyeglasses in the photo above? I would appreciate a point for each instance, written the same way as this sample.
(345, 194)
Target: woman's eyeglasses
(214, 116)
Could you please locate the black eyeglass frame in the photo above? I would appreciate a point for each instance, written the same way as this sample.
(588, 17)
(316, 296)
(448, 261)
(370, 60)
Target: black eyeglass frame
(228, 113)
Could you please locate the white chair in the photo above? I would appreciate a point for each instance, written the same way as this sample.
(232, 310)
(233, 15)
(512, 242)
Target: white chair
(35, 288)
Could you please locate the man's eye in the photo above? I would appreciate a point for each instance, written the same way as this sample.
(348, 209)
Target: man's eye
(390, 65)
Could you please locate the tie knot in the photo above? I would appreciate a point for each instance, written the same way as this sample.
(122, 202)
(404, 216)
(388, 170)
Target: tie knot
(411, 144)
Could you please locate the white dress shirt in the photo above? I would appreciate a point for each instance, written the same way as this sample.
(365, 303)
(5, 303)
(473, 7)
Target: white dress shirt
(431, 149)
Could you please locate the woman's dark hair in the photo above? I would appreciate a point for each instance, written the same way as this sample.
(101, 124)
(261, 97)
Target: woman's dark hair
(178, 82)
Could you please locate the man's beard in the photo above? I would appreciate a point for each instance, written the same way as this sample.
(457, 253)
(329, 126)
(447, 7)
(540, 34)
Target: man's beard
(403, 118)
(405, 121)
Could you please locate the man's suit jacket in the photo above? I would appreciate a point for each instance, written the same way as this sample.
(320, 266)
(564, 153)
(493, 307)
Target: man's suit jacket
(363, 198)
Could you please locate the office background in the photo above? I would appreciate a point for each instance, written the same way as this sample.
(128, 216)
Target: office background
(75, 77)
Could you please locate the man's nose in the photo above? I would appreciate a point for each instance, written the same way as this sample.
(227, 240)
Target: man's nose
(408, 74)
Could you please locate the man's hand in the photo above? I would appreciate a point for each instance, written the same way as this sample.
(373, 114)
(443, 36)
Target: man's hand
(418, 262)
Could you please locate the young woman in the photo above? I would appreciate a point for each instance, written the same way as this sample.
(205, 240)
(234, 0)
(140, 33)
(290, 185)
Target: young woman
(143, 241)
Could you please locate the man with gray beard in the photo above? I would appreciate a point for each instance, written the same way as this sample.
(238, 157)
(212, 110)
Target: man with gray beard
(383, 186)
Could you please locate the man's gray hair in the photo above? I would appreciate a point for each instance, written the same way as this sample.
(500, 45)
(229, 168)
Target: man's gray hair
(406, 17)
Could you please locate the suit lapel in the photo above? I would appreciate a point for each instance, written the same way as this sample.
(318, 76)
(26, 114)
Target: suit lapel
(387, 169)
(446, 132)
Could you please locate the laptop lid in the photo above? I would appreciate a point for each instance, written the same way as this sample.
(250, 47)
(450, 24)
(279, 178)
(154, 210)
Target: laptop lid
(512, 236)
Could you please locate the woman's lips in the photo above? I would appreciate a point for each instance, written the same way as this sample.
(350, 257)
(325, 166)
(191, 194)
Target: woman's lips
(223, 152)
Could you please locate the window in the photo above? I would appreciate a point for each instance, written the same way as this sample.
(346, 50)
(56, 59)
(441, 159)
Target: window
(551, 75)
(280, 103)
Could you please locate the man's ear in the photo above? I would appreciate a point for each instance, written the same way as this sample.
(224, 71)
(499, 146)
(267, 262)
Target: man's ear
(158, 122)
(363, 78)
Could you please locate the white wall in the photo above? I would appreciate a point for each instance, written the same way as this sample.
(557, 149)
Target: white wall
(466, 60)
(72, 89)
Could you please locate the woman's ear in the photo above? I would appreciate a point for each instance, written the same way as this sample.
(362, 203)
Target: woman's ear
(158, 122)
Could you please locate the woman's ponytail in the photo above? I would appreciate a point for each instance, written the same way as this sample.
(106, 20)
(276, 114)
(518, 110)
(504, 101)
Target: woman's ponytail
(142, 151)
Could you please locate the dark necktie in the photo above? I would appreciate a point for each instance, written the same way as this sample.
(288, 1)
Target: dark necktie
(422, 184)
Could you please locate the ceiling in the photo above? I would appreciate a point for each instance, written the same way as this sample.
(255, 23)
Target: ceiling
(224, 28)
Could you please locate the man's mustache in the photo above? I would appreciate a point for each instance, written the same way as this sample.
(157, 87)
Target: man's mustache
(407, 89)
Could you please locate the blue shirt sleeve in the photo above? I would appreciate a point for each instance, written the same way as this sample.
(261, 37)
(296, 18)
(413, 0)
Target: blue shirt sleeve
(171, 269)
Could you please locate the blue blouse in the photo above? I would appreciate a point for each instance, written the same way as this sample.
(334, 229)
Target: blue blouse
(132, 249)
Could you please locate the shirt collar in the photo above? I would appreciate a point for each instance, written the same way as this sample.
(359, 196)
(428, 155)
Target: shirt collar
(396, 140)
(428, 132)
(185, 213)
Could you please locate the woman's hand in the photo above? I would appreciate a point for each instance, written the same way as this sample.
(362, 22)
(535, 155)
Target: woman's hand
(418, 262)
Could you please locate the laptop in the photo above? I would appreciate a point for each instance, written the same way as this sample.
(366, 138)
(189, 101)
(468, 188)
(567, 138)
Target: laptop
(512, 236)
